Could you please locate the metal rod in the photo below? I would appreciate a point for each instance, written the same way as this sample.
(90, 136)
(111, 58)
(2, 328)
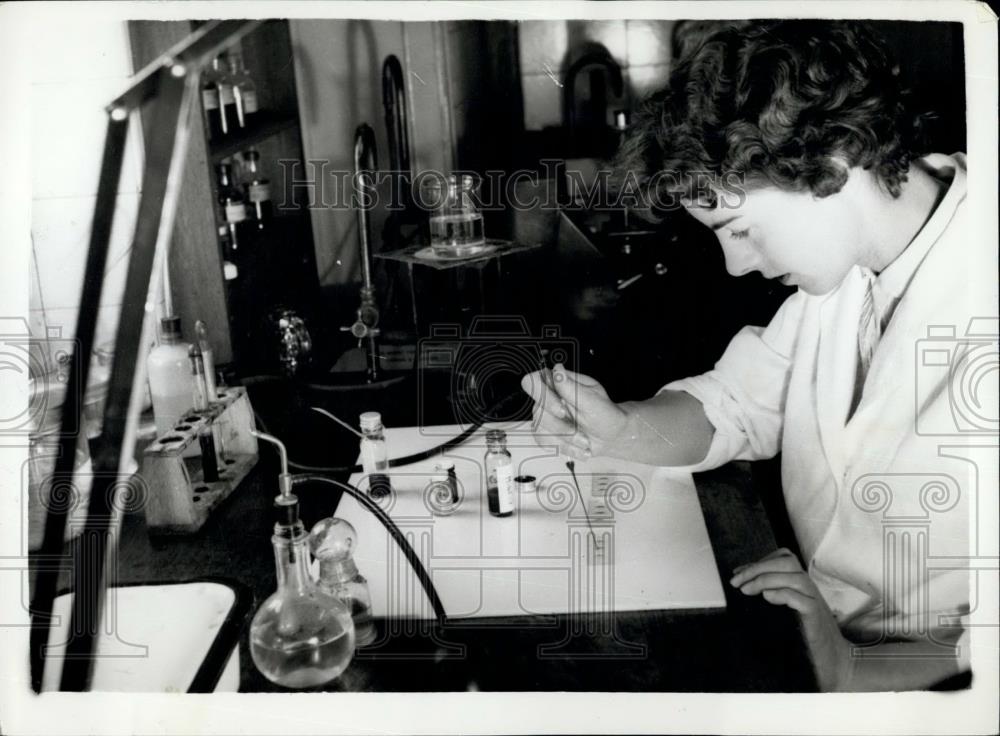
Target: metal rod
(163, 159)
(338, 420)
(47, 579)
(168, 294)
(365, 163)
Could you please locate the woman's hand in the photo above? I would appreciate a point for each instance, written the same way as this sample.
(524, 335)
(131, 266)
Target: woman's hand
(581, 417)
(780, 579)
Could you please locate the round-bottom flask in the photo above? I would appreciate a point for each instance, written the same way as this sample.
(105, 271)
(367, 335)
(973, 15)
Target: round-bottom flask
(301, 636)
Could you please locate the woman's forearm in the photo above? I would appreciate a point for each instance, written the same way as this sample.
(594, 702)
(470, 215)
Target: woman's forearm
(669, 429)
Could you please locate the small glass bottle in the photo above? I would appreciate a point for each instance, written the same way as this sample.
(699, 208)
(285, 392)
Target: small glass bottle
(446, 470)
(499, 474)
(228, 118)
(230, 269)
(332, 542)
(257, 188)
(171, 382)
(231, 204)
(375, 455)
(210, 98)
(244, 89)
(301, 636)
(217, 97)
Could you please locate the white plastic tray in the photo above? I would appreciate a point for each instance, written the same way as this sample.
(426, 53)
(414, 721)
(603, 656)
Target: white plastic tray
(544, 559)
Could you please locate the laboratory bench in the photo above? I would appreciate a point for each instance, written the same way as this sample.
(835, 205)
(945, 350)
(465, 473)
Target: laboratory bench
(748, 646)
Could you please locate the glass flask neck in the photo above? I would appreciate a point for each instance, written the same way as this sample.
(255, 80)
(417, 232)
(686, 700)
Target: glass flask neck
(291, 557)
(337, 569)
(375, 433)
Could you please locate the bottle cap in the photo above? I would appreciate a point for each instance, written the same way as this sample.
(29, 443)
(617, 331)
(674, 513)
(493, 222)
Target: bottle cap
(370, 420)
(230, 271)
(170, 329)
(445, 465)
(525, 483)
(496, 435)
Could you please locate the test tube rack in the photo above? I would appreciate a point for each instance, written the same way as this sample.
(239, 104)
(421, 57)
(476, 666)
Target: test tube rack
(179, 499)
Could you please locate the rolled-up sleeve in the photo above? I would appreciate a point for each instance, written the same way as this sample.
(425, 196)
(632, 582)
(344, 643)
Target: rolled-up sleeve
(744, 394)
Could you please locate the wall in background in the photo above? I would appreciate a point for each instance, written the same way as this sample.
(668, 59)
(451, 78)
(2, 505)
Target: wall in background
(338, 73)
(69, 90)
(641, 48)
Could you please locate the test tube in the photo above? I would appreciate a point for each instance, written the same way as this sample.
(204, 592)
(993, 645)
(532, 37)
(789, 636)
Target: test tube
(206, 440)
(208, 359)
(198, 371)
(201, 403)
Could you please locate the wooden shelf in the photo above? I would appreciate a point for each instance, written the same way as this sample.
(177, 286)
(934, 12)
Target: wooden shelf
(266, 124)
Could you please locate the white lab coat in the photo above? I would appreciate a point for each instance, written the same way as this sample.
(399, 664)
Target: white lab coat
(880, 504)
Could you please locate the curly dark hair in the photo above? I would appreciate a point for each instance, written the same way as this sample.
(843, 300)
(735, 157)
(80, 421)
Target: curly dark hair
(774, 102)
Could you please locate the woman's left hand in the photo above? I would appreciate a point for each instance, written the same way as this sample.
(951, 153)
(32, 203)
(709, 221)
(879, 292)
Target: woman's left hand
(779, 577)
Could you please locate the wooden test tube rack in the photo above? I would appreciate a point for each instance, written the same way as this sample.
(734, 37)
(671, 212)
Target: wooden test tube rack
(179, 499)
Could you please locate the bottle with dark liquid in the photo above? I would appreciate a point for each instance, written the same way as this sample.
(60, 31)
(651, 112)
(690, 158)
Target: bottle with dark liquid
(217, 96)
(257, 188)
(231, 205)
(375, 455)
(229, 119)
(499, 474)
(210, 98)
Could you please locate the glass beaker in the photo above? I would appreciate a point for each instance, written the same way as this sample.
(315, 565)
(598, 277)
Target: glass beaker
(456, 225)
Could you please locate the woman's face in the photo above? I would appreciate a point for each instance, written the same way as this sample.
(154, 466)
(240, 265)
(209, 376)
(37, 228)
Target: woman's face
(794, 237)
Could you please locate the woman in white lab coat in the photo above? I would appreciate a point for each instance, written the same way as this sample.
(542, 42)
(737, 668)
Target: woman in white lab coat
(870, 378)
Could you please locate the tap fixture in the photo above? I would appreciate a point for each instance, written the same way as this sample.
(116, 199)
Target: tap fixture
(365, 326)
(365, 165)
(287, 501)
(396, 122)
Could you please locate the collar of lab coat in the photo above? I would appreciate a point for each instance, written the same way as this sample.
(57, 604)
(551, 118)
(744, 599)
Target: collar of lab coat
(840, 313)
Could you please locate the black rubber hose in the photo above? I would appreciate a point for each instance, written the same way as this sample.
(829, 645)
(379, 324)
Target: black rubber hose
(399, 461)
(390, 525)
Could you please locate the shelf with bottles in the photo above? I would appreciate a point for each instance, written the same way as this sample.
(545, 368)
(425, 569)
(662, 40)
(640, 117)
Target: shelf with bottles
(234, 117)
(265, 124)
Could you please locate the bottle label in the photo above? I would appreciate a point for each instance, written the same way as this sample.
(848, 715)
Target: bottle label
(372, 456)
(226, 94)
(259, 192)
(210, 98)
(249, 100)
(505, 488)
(236, 212)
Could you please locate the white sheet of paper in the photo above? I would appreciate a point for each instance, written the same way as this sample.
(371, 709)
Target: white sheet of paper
(645, 546)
